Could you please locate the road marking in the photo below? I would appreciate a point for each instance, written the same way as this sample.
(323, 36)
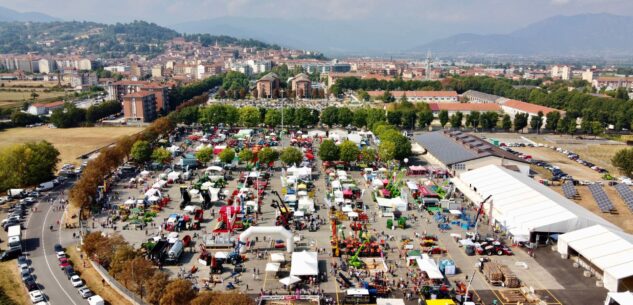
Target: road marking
(46, 259)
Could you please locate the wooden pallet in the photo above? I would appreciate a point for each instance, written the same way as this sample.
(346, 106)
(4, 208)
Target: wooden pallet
(512, 296)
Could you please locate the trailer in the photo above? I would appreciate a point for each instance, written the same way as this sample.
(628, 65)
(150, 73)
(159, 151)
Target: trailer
(14, 234)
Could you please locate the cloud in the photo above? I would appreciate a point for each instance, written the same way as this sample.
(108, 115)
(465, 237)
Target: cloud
(560, 2)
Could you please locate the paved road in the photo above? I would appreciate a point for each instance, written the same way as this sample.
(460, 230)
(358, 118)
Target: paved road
(39, 241)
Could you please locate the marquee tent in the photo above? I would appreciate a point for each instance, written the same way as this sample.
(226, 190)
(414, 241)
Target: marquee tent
(523, 206)
(304, 263)
(428, 265)
(608, 249)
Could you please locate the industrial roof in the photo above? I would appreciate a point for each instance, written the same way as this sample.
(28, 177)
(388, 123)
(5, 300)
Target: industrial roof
(610, 249)
(456, 147)
(523, 205)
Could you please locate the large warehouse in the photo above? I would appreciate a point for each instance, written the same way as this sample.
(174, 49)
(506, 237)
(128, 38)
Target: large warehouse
(461, 152)
(605, 251)
(523, 207)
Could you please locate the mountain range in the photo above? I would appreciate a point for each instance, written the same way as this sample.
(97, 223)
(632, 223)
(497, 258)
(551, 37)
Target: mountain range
(578, 35)
(562, 36)
(9, 15)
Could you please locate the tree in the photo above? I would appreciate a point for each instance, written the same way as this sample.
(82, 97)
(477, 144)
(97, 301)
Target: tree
(387, 97)
(249, 116)
(520, 121)
(205, 155)
(425, 118)
(29, 164)
(272, 118)
(156, 287)
(368, 154)
(227, 155)
(506, 122)
(328, 151)
(386, 151)
(551, 120)
(623, 161)
(161, 155)
(178, 292)
(375, 116)
(363, 95)
(360, 118)
(246, 155)
(536, 122)
(20, 119)
(136, 273)
(474, 119)
(596, 128)
(443, 116)
(348, 151)
(408, 119)
(69, 116)
(290, 156)
(394, 118)
(121, 257)
(345, 116)
(267, 155)
(226, 298)
(456, 120)
(488, 120)
(141, 151)
(329, 116)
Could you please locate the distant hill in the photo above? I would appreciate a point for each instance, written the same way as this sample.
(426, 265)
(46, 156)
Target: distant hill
(579, 35)
(8, 15)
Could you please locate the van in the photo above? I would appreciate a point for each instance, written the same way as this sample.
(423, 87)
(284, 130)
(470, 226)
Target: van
(46, 186)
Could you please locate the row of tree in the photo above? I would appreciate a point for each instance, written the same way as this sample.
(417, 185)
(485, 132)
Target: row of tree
(355, 83)
(130, 268)
(71, 116)
(29, 164)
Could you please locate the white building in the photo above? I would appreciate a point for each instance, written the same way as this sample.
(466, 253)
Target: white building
(46, 66)
(562, 72)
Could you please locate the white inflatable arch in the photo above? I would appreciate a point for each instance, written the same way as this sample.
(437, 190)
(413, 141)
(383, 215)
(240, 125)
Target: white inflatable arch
(277, 231)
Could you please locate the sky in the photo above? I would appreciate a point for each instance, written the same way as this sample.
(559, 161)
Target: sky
(486, 16)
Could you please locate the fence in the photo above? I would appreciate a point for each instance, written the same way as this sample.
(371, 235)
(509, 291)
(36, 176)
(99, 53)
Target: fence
(126, 293)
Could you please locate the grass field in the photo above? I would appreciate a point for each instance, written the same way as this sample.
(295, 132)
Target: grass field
(28, 83)
(11, 284)
(72, 142)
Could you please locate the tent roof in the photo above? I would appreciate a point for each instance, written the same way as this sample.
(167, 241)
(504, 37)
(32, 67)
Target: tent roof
(622, 297)
(429, 266)
(607, 248)
(520, 203)
(380, 301)
(304, 263)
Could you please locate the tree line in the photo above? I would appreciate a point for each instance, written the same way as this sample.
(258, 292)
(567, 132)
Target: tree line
(355, 83)
(72, 116)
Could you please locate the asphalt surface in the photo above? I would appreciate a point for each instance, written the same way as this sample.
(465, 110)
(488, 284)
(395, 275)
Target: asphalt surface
(38, 242)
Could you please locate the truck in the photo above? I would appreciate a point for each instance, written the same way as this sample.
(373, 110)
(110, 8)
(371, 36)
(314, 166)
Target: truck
(46, 186)
(15, 238)
(16, 193)
(175, 251)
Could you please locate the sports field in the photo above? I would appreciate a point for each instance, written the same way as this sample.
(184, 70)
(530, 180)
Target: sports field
(72, 142)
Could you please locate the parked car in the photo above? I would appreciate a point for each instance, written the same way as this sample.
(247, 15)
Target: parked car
(63, 263)
(69, 271)
(30, 283)
(85, 292)
(76, 281)
(10, 254)
(36, 296)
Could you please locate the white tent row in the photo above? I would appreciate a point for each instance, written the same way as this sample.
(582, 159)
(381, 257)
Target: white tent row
(609, 249)
(300, 172)
(395, 203)
(428, 265)
(304, 263)
(521, 204)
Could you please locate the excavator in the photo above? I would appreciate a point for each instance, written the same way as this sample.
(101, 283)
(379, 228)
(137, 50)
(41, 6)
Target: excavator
(354, 260)
(283, 219)
(283, 205)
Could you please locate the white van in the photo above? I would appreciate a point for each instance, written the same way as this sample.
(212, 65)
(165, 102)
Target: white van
(96, 300)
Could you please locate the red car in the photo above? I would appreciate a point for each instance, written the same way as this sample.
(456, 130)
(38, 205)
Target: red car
(63, 263)
(434, 250)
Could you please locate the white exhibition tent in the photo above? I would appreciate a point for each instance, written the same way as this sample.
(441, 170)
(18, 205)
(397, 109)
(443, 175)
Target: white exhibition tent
(620, 297)
(428, 265)
(306, 204)
(522, 205)
(272, 267)
(304, 263)
(394, 203)
(277, 258)
(289, 280)
(381, 301)
(610, 250)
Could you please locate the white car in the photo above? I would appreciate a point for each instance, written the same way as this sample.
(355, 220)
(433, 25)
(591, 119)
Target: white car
(36, 296)
(76, 281)
(60, 254)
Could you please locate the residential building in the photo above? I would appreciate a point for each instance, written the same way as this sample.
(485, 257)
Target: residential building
(43, 108)
(561, 72)
(421, 96)
(301, 85)
(473, 96)
(46, 66)
(117, 90)
(588, 76)
(157, 71)
(161, 93)
(613, 82)
(462, 152)
(135, 70)
(268, 86)
(139, 107)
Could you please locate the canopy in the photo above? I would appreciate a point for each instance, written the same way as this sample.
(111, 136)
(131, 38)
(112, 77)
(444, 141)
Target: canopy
(621, 297)
(190, 209)
(144, 173)
(173, 175)
(412, 185)
(277, 258)
(610, 250)
(352, 214)
(221, 255)
(304, 263)
(380, 301)
(152, 192)
(289, 280)
(306, 204)
(394, 203)
(272, 267)
(153, 198)
(522, 204)
(427, 265)
(214, 169)
(130, 202)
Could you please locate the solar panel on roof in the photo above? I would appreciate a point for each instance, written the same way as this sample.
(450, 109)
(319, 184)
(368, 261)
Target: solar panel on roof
(603, 201)
(626, 194)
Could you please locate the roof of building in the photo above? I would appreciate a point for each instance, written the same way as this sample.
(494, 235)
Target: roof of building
(481, 95)
(529, 107)
(130, 82)
(300, 77)
(523, 205)
(49, 105)
(398, 94)
(464, 107)
(451, 147)
(269, 77)
(139, 94)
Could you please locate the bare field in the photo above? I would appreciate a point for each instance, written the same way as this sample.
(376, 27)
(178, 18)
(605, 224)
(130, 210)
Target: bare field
(624, 216)
(28, 83)
(72, 142)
